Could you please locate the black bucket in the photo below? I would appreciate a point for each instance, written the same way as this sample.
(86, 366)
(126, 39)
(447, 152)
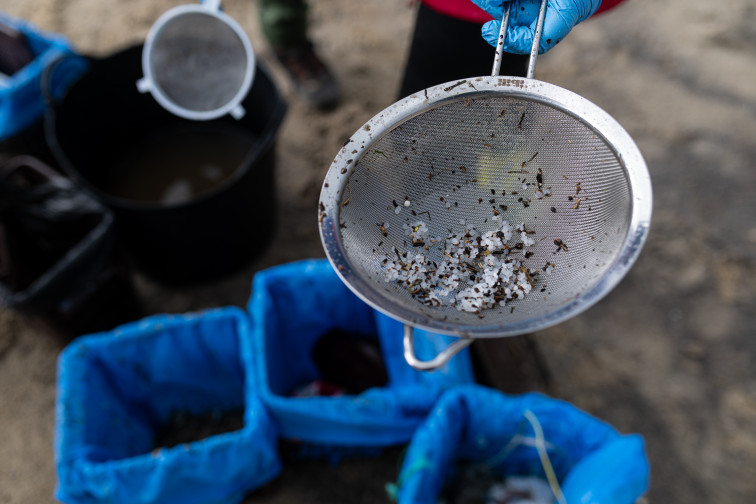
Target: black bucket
(177, 227)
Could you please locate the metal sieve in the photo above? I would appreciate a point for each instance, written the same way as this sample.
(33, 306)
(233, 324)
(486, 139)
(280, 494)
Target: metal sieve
(462, 151)
(198, 62)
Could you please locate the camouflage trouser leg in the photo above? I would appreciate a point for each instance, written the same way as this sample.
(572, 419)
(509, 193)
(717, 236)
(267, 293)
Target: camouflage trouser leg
(284, 22)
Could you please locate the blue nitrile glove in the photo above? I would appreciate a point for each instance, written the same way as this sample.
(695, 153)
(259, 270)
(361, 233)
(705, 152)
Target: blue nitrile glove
(561, 17)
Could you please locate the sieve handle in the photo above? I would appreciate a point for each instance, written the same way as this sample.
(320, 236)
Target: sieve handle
(500, 44)
(213, 5)
(533, 49)
(436, 362)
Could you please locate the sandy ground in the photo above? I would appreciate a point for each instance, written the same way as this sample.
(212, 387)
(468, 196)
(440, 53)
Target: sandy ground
(669, 354)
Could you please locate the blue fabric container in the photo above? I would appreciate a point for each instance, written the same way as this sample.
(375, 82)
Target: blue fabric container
(22, 99)
(117, 390)
(594, 463)
(291, 307)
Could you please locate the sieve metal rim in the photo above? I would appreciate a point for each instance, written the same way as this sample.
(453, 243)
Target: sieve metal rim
(149, 83)
(595, 118)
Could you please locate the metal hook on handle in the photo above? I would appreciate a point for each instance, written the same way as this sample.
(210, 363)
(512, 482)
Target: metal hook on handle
(533, 49)
(436, 362)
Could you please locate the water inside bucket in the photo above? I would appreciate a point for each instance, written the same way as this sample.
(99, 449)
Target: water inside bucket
(173, 166)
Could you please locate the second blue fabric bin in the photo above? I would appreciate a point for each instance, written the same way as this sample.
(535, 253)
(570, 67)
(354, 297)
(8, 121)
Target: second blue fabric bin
(292, 307)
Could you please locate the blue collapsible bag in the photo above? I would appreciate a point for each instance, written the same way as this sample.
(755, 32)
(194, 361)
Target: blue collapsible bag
(117, 390)
(24, 95)
(292, 306)
(593, 463)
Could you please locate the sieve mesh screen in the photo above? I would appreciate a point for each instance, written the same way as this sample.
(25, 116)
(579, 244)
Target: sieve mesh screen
(198, 61)
(469, 156)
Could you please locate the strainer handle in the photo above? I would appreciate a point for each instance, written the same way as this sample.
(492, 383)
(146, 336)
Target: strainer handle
(213, 5)
(436, 362)
(533, 49)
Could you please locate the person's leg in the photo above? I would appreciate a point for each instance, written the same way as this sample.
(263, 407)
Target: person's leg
(445, 49)
(284, 24)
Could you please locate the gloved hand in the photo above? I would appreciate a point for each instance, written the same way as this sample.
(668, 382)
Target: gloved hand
(561, 17)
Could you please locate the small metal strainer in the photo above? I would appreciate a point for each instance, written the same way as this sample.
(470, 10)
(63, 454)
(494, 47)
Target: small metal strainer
(459, 151)
(198, 62)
